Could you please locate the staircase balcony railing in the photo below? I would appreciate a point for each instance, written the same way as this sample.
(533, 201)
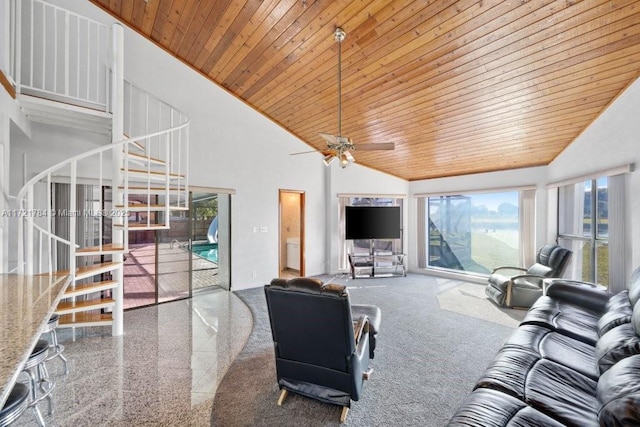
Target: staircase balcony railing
(44, 244)
(57, 54)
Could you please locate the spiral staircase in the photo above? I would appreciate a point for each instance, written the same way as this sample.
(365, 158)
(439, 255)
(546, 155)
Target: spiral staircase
(67, 71)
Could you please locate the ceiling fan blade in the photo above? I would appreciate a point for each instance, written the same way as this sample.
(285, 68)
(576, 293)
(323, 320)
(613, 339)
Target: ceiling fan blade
(331, 139)
(304, 152)
(375, 146)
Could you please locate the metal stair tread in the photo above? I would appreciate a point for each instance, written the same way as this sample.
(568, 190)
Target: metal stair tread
(155, 173)
(155, 189)
(141, 207)
(137, 157)
(145, 226)
(92, 270)
(78, 289)
(85, 319)
(106, 248)
(134, 144)
(66, 307)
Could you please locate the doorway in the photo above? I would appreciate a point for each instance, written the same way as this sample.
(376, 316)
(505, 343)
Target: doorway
(191, 256)
(291, 242)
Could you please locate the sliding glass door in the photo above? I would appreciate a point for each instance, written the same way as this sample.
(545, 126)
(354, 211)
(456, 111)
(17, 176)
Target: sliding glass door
(191, 256)
(174, 258)
(210, 240)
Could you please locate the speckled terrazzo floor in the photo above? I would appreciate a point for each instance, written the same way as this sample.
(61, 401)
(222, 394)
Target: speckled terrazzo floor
(163, 371)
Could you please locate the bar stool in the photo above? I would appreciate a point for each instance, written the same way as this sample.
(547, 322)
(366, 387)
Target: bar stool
(39, 379)
(57, 348)
(16, 404)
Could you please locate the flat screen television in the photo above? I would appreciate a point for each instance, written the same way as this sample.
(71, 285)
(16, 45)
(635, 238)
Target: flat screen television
(372, 222)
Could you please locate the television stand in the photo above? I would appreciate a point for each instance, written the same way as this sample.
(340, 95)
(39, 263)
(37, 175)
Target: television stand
(377, 264)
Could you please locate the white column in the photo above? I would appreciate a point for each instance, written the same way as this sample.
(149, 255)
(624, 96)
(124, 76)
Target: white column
(4, 190)
(117, 110)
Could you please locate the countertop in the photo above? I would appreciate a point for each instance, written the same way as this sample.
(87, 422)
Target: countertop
(26, 303)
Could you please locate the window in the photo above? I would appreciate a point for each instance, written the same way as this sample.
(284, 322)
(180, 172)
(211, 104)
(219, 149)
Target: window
(591, 223)
(476, 232)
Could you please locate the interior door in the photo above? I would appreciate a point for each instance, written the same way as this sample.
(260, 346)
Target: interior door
(292, 262)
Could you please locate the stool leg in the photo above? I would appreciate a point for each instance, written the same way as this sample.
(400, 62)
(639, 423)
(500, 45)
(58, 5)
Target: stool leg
(58, 349)
(34, 403)
(38, 416)
(43, 377)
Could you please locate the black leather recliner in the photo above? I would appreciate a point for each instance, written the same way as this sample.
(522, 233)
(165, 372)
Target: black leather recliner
(322, 343)
(524, 288)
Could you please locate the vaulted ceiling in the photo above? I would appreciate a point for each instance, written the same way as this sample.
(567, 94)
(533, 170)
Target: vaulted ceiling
(459, 86)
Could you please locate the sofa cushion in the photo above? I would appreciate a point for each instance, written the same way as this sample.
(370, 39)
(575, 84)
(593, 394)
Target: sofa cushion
(490, 408)
(634, 287)
(559, 348)
(563, 394)
(619, 393)
(564, 318)
(550, 387)
(620, 306)
(619, 300)
(508, 371)
(616, 315)
(615, 345)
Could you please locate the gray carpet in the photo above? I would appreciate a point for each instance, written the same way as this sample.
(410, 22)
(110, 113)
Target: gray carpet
(427, 360)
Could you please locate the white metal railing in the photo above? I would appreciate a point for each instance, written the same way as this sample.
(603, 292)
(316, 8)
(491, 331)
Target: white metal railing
(148, 115)
(38, 239)
(59, 54)
(8, 26)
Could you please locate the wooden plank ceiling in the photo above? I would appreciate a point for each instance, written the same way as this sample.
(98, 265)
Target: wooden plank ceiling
(459, 86)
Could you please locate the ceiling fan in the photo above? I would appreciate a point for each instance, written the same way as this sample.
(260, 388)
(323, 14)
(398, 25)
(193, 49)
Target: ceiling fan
(339, 146)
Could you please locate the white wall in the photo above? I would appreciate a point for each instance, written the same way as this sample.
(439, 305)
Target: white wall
(612, 140)
(12, 121)
(4, 192)
(48, 145)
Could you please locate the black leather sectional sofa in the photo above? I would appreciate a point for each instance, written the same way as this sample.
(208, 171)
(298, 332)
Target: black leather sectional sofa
(573, 361)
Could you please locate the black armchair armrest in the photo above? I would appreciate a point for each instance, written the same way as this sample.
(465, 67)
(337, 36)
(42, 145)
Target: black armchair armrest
(506, 267)
(360, 325)
(360, 363)
(528, 276)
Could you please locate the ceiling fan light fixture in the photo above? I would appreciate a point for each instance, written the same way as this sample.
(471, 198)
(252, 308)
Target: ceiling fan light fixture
(328, 159)
(345, 159)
